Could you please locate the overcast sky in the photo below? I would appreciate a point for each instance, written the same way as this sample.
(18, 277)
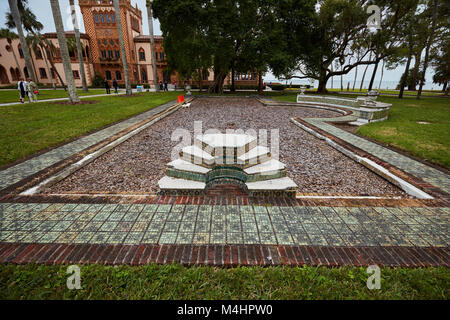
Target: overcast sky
(42, 10)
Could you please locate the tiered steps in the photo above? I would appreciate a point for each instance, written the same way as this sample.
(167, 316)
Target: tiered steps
(217, 159)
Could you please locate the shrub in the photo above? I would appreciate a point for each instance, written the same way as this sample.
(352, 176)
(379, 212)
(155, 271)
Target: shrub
(98, 80)
(277, 87)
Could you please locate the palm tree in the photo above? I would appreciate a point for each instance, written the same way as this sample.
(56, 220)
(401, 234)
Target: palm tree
(50, 50)
(78, 43)
(38, 42)
(122, 48)
(18, 24)
(29, 20)
(152, 44)
(29, 40)
(71, 89)
(10, 36)
(427, 49)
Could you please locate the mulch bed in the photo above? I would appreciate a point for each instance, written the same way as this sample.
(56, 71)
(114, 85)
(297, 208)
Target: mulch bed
(137, 164)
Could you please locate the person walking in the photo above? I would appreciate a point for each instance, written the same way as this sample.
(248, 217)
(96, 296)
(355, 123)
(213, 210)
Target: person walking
(161, 86)
(165, 86)
(28, 91)
(21, 88)
(115, 86)
(175, 85)
(107, 87)
(34, 90)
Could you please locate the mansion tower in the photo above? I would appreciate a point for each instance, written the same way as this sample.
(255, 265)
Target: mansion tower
(101, 51)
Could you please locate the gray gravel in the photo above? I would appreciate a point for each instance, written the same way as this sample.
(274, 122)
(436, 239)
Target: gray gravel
(137, 164)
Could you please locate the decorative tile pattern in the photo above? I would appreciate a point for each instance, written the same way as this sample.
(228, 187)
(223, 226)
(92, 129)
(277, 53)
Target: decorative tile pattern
(220, 224)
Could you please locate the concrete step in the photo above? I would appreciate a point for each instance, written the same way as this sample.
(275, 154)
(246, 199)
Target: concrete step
(230, 145)
(271, 169)
(175, 184)
(257, 155)
(197, 156)
(280, 184)
(184, 165)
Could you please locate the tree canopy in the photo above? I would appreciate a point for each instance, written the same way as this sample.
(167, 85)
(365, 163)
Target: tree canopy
(239, 35)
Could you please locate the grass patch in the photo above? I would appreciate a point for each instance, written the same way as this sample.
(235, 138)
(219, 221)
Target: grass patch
(428, 141)
(7, 96)
(402, 130)
(28, 128)
(177, 282)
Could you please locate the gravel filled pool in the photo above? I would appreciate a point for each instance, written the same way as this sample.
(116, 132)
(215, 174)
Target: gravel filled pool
(136, 165)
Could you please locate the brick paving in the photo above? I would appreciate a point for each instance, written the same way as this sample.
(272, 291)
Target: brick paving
(223, 231)
(224, 255)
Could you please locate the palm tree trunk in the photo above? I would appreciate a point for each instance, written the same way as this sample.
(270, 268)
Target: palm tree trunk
(372, 79)
(356, 73)
(56, 72)
(71, 88)
(79, 48)
(405, 75)
(364, 74)
(44, 53)
(152, 44)
(18, 22)
(122, 48)
(427, 50)
(34, 66)
(381, 78)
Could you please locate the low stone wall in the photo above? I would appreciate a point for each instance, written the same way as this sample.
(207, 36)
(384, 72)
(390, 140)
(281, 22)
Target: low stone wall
(366, 109)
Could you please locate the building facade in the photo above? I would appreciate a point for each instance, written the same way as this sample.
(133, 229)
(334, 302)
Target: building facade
(101, 51)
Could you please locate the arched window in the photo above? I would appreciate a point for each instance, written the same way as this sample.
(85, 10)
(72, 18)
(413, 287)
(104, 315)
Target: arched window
(43, 73)
(141, 54)
(19, 47)
(87, 51)
(102, 18)
(118, 75)
(108, 75)
(25, 72)
(107, 17)
(14, 76)
(113, 18)
(38, 53)
(96, 18)
(3, 75)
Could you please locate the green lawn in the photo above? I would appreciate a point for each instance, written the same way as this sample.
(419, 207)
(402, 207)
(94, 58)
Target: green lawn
(7, 96)
(177, 282)
(28, 128)
(387, 91)
(402, 130)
